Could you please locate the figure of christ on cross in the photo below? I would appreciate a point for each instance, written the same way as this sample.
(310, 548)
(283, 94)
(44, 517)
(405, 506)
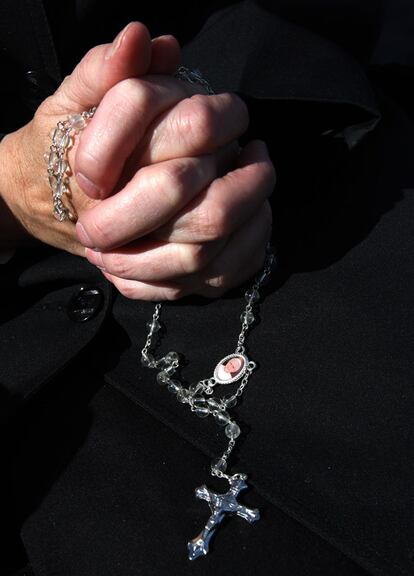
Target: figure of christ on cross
(220, 505)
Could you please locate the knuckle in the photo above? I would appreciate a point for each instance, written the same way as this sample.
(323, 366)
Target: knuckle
(171, 179)
(77, 85)
(192, 257)
(127, 289)
(130, 98)
(117, 264)
(98, 232)
(86, 161)
(214, 287)
(196, 120)
(214, 223)
(130, 94)
(220, 281)
(173, 292)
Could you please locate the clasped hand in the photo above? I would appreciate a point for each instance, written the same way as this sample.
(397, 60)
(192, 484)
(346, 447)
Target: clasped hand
(168, 203)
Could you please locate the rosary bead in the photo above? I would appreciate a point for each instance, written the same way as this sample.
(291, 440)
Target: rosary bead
(230, 400)
(147, 359)
(163, 377)
(214, 405)
(77, 121)
(232, 430)
(174, 386)
(202, 411)
(264, 278)
(252, 295)
(222, 418)
(194, 388)
(153, 325)
(219, 464)
(172, 357)
(169, 370)
(182, 395)
(201, 402)
(247, 317)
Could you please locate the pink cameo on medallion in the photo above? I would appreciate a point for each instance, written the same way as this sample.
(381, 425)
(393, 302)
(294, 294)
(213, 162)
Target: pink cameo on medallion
(230, 368)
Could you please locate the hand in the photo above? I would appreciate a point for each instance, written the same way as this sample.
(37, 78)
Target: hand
(173, 226)
(25, 197)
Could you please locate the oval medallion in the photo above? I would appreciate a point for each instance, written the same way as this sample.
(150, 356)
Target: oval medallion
(230, 368)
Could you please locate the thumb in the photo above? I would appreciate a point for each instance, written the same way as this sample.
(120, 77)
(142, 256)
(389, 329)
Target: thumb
(101, 68)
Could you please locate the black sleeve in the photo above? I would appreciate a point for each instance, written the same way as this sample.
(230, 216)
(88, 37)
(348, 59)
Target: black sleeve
(313, 104)
(252, 51)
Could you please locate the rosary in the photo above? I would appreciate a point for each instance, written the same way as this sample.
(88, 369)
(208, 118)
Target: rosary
(235, 367)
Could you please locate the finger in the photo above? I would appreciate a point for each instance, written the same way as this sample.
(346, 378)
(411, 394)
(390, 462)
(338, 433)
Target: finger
(201, 125)
(227, 203)
(151, 261)
(101, 68)
(146, 290)
(165, 55)
(239, 260)
(149, 200)
(197, 125)
(118, 125)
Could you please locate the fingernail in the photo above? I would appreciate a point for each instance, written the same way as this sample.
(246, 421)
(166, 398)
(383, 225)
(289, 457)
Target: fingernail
(114, 47)
(95, 258)
(87, 185)
(83, 236)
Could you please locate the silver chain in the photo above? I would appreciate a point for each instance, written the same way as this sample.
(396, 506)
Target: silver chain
(199, 395)
(58, 169)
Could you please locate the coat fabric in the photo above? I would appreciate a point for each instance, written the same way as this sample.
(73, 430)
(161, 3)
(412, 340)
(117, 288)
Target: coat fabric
(99, 461)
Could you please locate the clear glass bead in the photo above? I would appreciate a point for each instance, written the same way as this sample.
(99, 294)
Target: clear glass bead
(200, 402)
(65, 140)
(60, 189)
(212, 402)
(222, 418)
(247, 317)
(147, 359)
(77, 121)
(174, 386)
(182, 395)
(169, 370)
(252, 295)
(263, 278)
(153, 325)
(53, 158)
(202, 411)
(194, 388)
(219, 464)
(53, 182)
(232, 430)
(172, 357)
(56, 135)
(61, 166)
(162, 377)
(230, 400)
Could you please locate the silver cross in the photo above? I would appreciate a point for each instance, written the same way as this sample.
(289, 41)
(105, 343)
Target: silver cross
(220, 505)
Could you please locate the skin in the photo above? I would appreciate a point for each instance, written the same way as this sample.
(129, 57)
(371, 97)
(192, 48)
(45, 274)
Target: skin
(168, 203)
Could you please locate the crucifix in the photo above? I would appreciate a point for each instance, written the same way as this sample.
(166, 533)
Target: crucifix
(220, 505)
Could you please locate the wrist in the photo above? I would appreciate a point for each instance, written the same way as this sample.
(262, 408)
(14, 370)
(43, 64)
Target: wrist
(12, 231)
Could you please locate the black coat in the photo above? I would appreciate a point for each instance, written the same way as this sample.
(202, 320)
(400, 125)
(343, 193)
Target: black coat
(100, 463)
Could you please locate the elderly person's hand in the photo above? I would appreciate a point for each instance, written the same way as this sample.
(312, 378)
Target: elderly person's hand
(165, 217)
